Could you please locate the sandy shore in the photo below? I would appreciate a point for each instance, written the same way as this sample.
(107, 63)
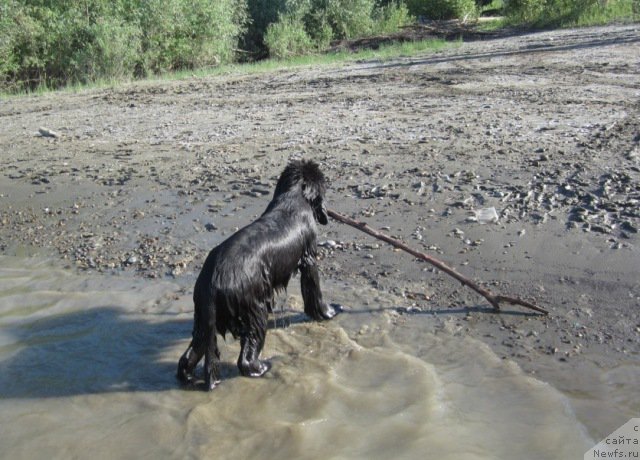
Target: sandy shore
(544, 127)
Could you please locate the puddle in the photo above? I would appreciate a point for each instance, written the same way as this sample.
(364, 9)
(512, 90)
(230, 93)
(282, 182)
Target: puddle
(87, 369)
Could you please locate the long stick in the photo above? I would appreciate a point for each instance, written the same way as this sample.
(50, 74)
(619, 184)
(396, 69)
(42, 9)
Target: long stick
(493, 299)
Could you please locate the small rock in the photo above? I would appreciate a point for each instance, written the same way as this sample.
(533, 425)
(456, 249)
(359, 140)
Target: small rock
(487, 215)
(46, 132)
(420, 187)
(260, 191)
(329, 244)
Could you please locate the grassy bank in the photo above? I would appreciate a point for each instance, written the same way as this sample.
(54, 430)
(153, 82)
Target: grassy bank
(383, 53)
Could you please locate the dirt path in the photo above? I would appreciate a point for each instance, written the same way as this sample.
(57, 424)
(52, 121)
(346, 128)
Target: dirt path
(543, 127)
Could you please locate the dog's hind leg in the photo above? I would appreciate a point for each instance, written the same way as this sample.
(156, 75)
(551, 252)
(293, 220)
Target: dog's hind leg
(192, 356)
(314, 306)
(190, 359)
(211, 361)
(251, 343)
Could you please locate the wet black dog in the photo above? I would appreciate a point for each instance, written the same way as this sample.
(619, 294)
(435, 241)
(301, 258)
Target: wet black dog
(234, 291)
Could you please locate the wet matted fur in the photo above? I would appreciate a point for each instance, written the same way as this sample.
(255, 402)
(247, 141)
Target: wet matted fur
(234, 291)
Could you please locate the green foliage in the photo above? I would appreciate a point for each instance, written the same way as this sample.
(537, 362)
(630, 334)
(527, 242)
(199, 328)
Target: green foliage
(12, 24)
(116, 50)
(443, 9)
(347, 18)
(53, 43)
(188, 34)
(287, 38)
(305, 25)
(545, 13)
(58, 42)
(391, 18)
(262, 13)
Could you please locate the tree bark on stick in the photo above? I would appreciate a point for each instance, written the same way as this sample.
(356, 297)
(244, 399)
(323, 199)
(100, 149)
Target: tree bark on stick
(493, 299)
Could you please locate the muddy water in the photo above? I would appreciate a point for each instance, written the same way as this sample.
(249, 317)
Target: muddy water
(87, 370)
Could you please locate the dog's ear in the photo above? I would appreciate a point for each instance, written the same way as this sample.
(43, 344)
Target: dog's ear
(313, 189)
(315, 196)
(320, 212)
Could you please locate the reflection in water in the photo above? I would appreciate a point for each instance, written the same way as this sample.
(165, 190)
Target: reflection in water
(87, 369)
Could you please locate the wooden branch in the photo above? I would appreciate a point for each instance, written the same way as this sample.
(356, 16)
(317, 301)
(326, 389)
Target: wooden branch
(493, 299)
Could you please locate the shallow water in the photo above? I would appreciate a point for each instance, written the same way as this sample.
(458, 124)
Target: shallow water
(87, 370)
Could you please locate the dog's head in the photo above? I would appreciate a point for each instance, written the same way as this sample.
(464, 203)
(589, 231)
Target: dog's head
(305, 174)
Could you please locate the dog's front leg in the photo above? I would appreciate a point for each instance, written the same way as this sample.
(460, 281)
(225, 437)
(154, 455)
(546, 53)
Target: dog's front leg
(314, 306)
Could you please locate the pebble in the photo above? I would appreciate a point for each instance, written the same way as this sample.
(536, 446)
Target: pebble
(331, 244)
(46, 132)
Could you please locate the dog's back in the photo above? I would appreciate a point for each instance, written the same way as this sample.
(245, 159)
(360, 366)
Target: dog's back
(244, 265)
(248, 267)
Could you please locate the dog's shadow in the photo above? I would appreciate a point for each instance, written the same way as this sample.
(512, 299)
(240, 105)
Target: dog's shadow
(97, 350)
(103, 350)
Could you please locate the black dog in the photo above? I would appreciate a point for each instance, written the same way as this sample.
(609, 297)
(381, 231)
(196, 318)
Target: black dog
(234, 291)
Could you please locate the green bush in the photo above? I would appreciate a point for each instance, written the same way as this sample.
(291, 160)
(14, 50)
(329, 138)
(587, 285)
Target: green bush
(391, 18)
(8, 31)
(545, 13)
(61, 43)
(56, 42)
(526, 11)
(287, 38)
(312, 24)
(443, 9)
(262, 13)
(347, 18)
(116, 49)
(181, 34)
(83, 50)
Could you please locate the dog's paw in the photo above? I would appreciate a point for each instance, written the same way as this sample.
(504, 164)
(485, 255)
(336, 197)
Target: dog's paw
(184, 377)
(331, 310)
(210, 384)
(255, 369)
